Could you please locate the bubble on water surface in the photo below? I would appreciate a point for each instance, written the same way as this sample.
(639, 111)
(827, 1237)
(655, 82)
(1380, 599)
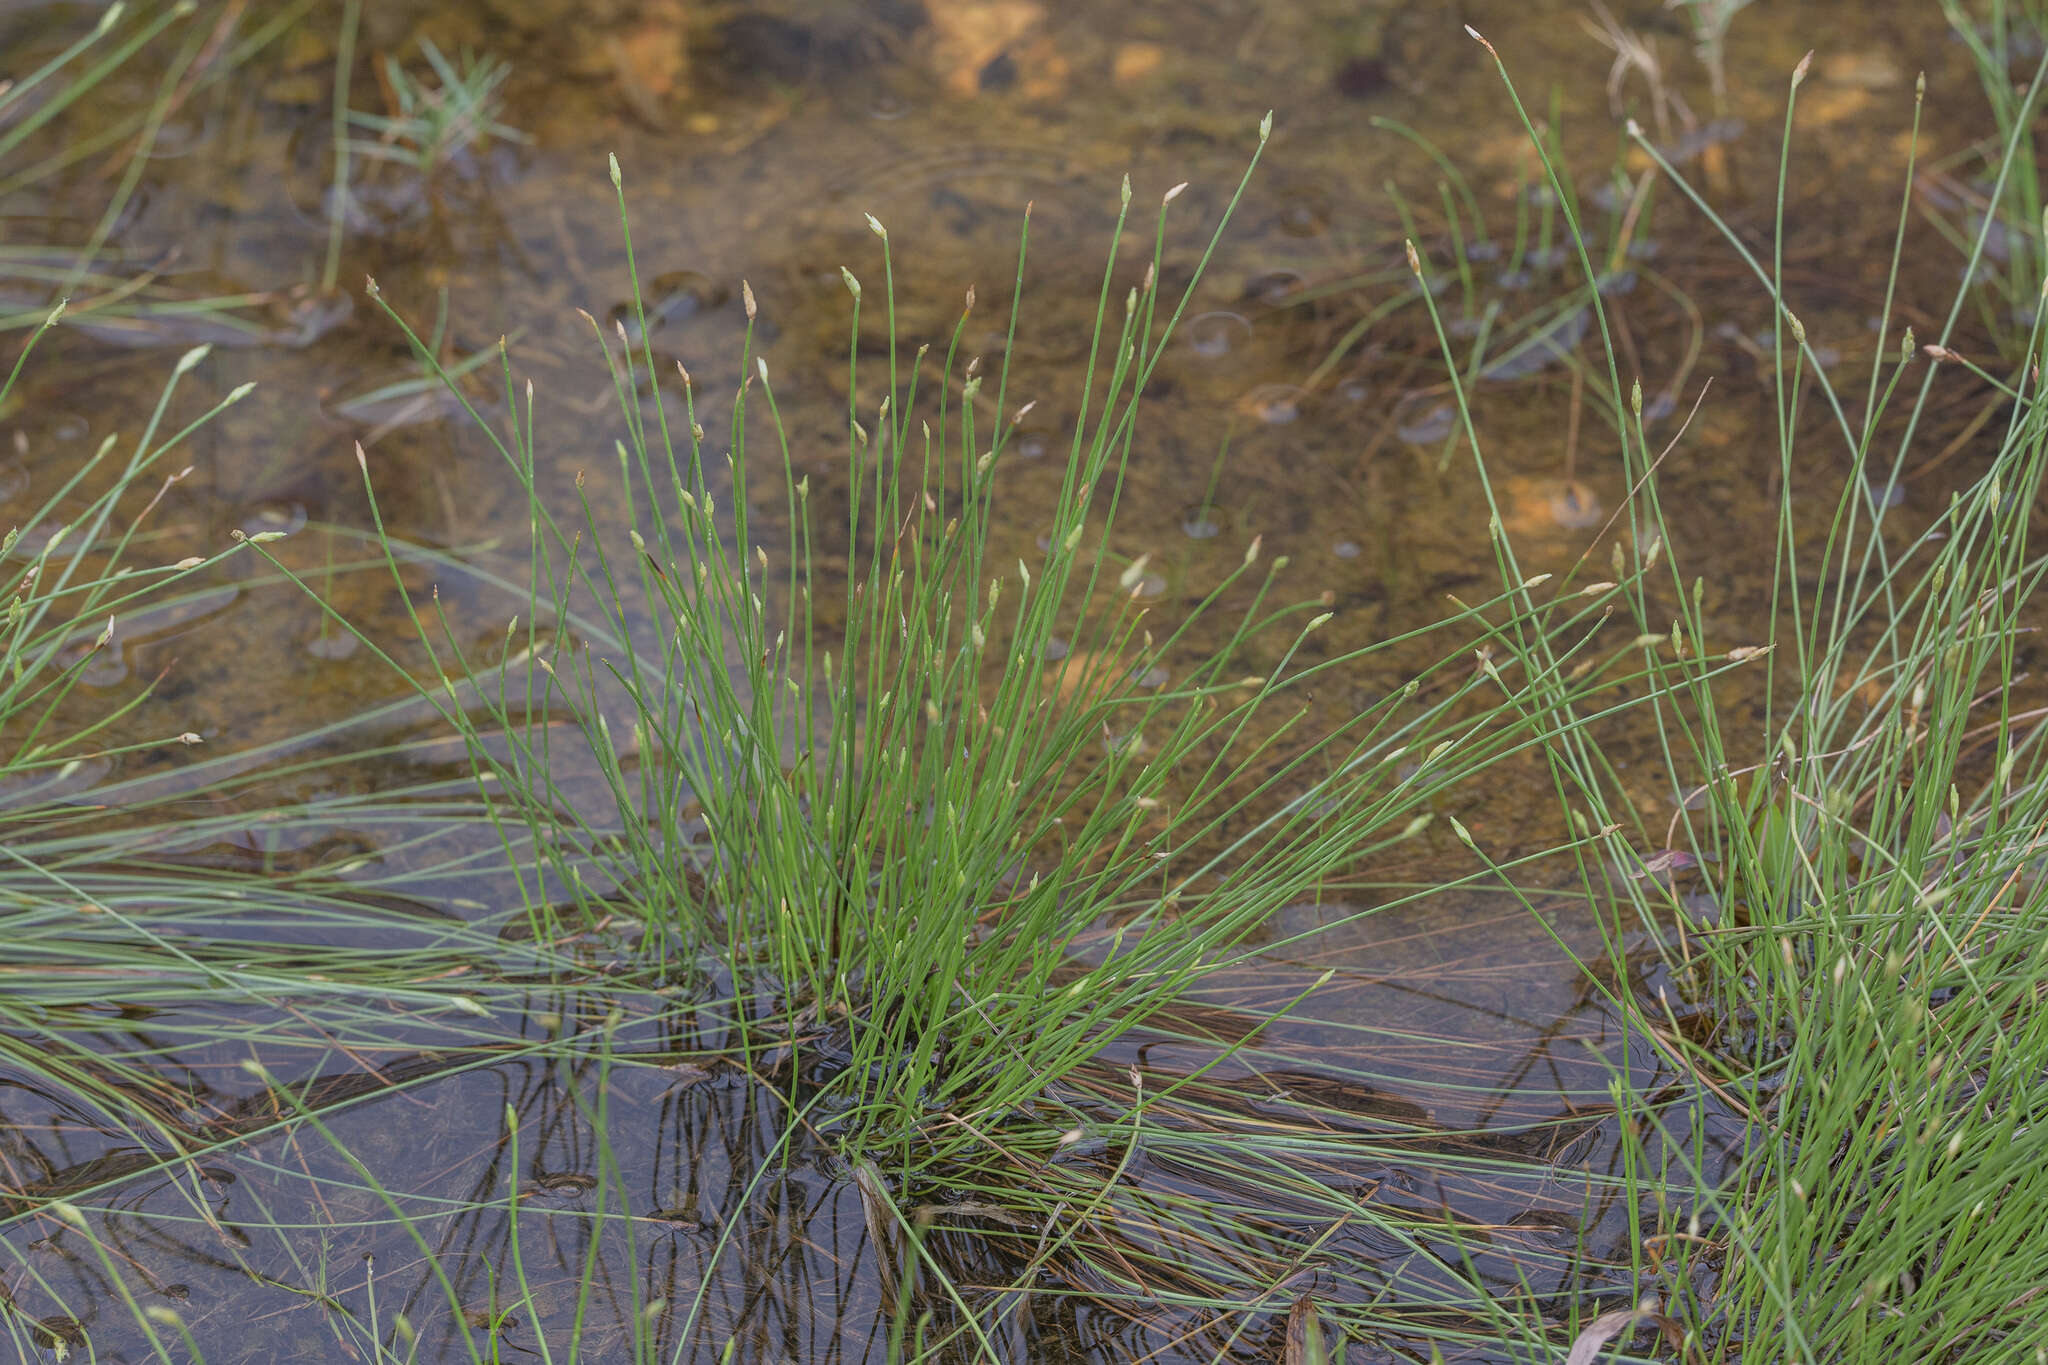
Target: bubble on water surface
(1430, 426)
(1214, 335)
(1304, 218)
(1575, 505)
(285, 517)
(335, 644)
(1274, 287)
(1274, 404)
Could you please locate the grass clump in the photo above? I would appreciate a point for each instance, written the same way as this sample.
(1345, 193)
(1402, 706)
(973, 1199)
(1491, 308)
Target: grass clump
(1988, 199)
(1840, 937)
(917, 846)
(433, 123)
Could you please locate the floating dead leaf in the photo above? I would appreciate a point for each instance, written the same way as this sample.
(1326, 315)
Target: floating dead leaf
(1605, 1328)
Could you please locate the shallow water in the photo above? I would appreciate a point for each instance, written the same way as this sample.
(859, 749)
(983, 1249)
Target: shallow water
(753, 141)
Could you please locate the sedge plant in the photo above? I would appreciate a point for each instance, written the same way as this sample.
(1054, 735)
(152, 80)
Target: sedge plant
(918, 877)
(1839, 935)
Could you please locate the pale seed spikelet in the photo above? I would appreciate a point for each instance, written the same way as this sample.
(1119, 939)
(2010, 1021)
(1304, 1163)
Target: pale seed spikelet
(747, 299)
(852, 284)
